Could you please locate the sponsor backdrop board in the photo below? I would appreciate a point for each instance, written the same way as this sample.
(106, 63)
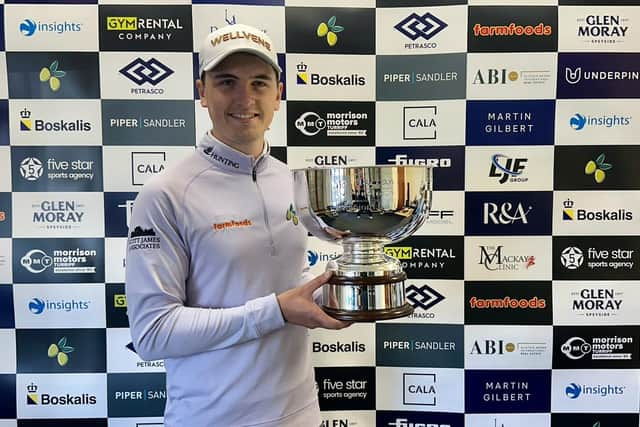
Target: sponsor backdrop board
(525, 279)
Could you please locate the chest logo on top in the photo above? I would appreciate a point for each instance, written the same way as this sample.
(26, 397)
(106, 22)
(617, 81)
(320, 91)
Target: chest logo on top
(231, 224)
(292, 215)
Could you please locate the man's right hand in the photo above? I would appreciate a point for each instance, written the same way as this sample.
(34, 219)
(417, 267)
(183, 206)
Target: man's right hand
(297, 306)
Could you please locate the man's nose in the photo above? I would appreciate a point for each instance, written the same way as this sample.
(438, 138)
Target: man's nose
(244, 94)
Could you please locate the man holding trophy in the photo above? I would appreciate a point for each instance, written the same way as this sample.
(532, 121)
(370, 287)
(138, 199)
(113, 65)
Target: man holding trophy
(217, 250)
(215, 256)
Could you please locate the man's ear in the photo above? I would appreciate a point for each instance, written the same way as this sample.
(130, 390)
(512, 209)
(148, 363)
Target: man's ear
(200, 87)
(279, 95)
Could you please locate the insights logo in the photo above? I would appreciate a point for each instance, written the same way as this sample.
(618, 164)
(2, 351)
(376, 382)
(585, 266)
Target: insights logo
(38, 306)
(29, 27)
(574, 391)
(579, 121)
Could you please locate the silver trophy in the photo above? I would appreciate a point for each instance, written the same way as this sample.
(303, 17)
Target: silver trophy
(364, 209)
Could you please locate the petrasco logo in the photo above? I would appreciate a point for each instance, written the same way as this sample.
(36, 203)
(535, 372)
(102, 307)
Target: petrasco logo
(304, 77)
(423, 297)
(46, 399)
(140, 72)
(417, 26)
(29, 27)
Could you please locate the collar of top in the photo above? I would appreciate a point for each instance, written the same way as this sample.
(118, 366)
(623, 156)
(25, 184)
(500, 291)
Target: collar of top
(228, 158)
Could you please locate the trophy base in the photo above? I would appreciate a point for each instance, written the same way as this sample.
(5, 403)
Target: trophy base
(369, 315)
(366, 299)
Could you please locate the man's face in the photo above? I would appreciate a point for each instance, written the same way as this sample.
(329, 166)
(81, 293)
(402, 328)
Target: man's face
(241, 94)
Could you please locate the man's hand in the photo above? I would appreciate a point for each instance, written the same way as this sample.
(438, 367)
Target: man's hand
(298, 307)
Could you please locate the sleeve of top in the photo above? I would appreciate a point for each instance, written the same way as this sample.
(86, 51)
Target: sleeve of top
(157, 267)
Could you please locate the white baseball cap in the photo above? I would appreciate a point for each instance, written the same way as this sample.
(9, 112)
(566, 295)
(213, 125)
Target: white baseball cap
(233, 39)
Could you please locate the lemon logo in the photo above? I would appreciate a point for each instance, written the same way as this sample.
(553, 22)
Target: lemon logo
(291, 214)
(330, 30)
(60, 351)
(597, 168)
(52, 75)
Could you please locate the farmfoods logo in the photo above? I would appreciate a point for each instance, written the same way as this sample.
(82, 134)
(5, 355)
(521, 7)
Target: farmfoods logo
(47, 399)
(63, 261)
(511, 30)
(28, 124)
(304, 77)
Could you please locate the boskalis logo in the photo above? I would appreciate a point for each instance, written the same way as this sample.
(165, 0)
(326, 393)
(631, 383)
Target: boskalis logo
(579, 121)
(329, 30)
(600, 348)
(304, 77)
(63, 261)
(420, 29)
(574, 391)
(505, 213)
(494, 259)
(46, 399)
(313, 257)
(596, 302)
(570, 213)
(508, 169)
(141, 238)
(40, 305)
(142, 71)
(58, 214)
(339, 347)
(335, 124)
(27, 124)
(29, 27)
(603, 29)
(60, 351)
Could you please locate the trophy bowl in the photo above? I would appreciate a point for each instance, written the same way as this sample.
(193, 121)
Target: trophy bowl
(364, 209)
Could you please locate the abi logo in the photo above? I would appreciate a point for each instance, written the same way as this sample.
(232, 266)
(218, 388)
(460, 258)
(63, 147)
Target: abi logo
(510, 170)
(492, 347)
(494, 76)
